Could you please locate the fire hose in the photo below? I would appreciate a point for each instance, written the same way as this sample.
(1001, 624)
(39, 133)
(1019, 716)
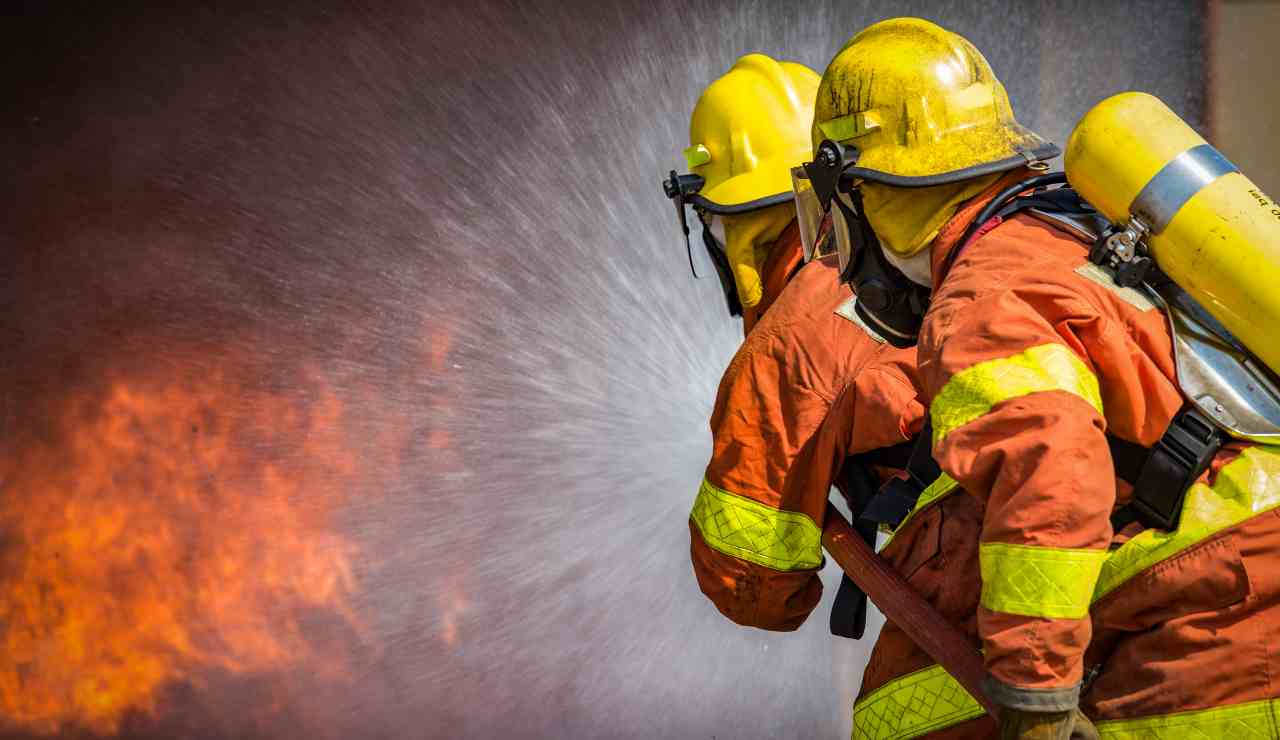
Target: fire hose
(903, 606)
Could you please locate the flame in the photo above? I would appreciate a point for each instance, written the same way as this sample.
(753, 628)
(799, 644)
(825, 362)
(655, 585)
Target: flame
(161, 530)
(454, 603)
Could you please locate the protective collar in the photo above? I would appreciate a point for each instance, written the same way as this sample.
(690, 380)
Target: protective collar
(747, 241)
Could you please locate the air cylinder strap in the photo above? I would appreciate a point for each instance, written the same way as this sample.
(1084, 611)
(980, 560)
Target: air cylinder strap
(1169, 469)
(1160, 476)
(857, 483)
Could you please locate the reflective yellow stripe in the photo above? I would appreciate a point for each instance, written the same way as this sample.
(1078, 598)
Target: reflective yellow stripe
(939, 488)
(737, 526)
(924, 701)
(1256, 719)
(697, 155)
(1038, 581)
(1245, 487)
(972, 392)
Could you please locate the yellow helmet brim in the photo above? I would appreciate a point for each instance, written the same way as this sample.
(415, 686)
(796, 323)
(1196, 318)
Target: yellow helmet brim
(978, 151)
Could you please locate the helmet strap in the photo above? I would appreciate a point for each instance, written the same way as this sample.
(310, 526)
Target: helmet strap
(720, 261)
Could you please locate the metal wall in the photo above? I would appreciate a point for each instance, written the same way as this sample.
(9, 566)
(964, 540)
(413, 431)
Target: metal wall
(445, 220)
(1243, 104)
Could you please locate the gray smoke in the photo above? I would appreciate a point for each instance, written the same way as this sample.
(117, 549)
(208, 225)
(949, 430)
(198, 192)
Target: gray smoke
(459, 205)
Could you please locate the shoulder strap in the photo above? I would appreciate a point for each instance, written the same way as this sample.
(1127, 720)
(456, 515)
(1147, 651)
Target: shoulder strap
(857, 483)
(1168, 470)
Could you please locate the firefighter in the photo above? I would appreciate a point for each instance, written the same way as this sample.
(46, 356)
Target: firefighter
(1055, 404)
(813, 397)
(756, 521)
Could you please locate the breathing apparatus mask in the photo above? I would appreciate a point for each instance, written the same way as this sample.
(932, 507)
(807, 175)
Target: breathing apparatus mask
(828, 198)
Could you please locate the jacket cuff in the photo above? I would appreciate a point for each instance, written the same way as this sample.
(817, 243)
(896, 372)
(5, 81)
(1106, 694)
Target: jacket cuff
(1032, 700)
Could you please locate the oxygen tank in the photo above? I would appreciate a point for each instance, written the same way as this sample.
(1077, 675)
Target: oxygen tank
(1207, 226)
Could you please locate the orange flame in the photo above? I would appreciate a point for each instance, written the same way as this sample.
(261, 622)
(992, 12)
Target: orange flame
(162, 530)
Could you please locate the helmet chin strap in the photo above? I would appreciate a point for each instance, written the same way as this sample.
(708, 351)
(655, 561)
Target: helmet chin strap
(713, 241)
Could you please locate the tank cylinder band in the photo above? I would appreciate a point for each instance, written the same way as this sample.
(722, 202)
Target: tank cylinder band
(1178, 182)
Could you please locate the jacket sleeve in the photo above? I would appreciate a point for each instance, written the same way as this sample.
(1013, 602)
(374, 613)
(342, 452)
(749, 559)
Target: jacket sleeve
(756, 555)
(1017, 420)
(756, 526)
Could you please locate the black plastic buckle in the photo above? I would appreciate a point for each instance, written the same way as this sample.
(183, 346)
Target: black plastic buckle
(678, 186)
(1132, 273)
(824, 172)
(898, 497)
(1177, 460)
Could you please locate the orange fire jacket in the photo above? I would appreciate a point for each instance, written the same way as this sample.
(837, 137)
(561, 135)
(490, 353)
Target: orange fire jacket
(806, 389)
(1028, 357)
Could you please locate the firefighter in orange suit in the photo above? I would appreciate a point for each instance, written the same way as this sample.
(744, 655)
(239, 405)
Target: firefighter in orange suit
(1151, 605)
(809, 393)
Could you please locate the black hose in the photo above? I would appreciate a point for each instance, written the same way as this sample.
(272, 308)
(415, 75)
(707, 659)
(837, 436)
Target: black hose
(1003, 197)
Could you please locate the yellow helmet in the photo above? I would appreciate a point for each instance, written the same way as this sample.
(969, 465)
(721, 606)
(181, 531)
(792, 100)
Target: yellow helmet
(922, 107)
(748, 130)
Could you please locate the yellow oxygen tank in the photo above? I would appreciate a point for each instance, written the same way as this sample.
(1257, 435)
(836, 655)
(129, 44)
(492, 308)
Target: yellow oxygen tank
(1211, 230)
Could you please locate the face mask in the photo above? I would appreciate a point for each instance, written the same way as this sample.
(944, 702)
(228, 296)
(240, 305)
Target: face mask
(887, 300)
(918, 267)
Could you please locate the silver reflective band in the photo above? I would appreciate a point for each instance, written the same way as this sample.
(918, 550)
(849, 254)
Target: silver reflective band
(848, 311)
(1176, 183)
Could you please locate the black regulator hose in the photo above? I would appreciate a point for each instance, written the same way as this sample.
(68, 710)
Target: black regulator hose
(998, 202)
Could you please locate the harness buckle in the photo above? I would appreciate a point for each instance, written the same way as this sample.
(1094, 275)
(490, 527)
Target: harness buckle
(898, 497)
(1181, 455)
